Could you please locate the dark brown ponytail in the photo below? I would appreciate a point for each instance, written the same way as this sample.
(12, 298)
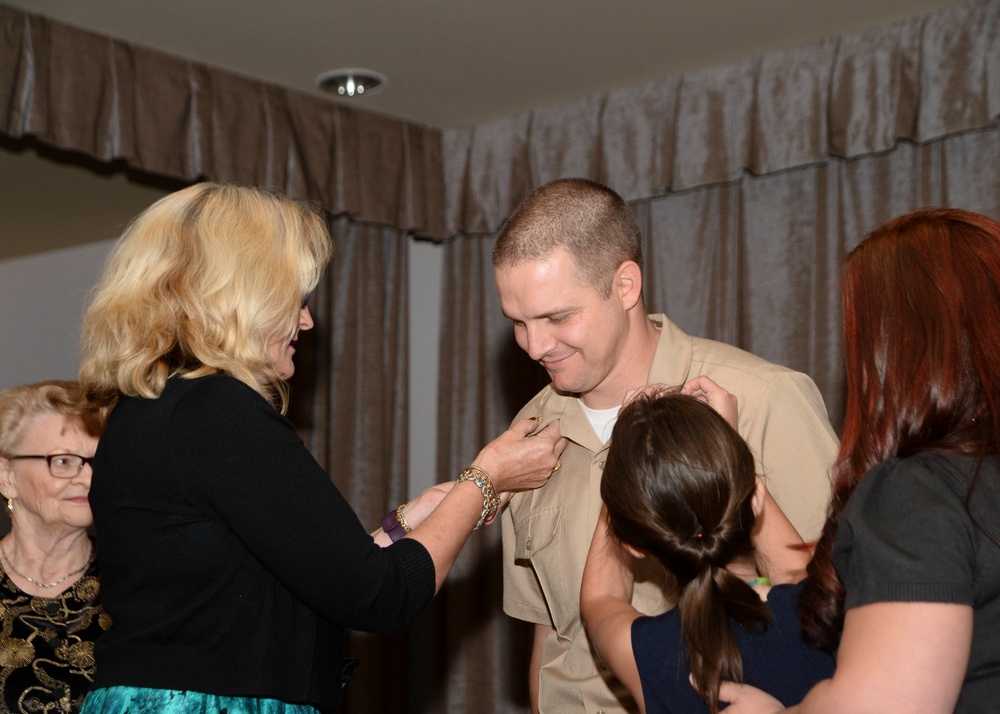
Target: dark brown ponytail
(679, 485)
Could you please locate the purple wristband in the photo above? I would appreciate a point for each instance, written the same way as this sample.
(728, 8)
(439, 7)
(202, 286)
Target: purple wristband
(392, 527)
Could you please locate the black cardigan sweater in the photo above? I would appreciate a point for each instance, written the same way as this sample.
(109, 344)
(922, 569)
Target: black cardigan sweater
(230, 563)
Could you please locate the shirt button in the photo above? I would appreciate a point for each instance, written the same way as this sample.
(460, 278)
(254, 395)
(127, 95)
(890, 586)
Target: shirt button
(527, 544)
(600, 465)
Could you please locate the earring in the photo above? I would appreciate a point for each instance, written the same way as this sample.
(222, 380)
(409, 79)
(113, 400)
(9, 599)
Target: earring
(10, 505)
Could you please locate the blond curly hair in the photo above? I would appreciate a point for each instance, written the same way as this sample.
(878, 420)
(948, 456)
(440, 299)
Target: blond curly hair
(198, 284)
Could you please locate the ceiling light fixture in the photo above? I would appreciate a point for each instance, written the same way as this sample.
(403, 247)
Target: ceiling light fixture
(351, 82)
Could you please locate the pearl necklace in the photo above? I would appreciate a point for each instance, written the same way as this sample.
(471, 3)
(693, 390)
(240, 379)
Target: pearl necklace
(7, 561)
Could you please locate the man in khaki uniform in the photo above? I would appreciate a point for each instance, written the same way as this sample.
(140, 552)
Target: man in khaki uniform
(568, 271)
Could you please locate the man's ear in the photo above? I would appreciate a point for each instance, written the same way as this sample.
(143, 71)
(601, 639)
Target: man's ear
(628, 284)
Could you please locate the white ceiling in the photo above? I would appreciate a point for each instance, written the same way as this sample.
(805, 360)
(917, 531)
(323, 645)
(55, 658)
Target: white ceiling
(457, 62)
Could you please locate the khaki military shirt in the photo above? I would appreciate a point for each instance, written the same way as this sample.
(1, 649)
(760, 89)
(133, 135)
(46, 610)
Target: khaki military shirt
(547, 532)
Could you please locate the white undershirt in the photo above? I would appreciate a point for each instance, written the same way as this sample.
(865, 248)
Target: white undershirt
(601, 420)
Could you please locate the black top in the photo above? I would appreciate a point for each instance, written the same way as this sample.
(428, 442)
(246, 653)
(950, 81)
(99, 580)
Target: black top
(776, 660)
(907, 536)
(47, 645)
(230, 563)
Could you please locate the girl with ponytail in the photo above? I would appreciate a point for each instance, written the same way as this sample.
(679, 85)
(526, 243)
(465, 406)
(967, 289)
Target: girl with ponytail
(680, 486)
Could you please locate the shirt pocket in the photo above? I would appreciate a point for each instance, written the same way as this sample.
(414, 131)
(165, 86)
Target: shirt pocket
(536, 532)
(538, 540)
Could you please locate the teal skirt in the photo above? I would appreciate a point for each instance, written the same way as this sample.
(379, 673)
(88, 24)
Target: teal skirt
(136, 700)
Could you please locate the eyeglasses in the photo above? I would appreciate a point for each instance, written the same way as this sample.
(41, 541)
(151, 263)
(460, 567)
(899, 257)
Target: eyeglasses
(61, 465)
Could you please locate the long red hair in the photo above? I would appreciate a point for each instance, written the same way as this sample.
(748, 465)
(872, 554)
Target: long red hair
(921, 304)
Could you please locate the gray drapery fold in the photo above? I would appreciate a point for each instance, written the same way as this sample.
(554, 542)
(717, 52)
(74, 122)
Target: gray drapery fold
(849, 96)
(349, 404)
(79, 91)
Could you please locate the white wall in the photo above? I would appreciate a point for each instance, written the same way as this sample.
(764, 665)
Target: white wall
(43, 298)
(58, 220)
(426, 265)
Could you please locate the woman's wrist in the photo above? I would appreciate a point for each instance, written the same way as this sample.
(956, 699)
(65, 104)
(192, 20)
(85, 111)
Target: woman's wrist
(492, 465)
(491, 501)
(395, 525)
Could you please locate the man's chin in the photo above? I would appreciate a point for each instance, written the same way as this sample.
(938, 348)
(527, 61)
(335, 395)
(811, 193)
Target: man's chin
(566, 386)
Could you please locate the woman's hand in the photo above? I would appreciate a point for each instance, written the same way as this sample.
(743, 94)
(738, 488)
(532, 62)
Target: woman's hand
(416, 510)
(420, 507)
(521, 460)
(516, 460)
(650, 390)
(744, 699)
(704, 389)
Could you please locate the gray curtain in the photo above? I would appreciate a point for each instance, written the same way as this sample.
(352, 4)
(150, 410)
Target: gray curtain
(848, 96)
(349, 403)
(83, 92)
(751, 182)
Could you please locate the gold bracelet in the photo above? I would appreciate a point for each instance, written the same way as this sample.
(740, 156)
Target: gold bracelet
(490, 500)
(401, 518)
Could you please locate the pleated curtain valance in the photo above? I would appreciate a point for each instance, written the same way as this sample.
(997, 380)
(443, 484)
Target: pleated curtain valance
(82, 92)
(848, 96)
(853, 95)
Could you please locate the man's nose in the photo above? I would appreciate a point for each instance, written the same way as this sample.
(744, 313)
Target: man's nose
(538, 341)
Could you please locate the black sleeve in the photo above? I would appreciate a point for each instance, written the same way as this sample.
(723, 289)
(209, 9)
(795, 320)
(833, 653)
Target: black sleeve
(242, 463)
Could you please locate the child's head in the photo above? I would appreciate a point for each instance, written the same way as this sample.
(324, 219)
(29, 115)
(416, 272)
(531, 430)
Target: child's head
(679, 484)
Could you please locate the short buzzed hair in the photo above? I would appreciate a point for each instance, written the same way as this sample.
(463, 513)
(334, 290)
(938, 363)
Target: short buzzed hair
(590, 220)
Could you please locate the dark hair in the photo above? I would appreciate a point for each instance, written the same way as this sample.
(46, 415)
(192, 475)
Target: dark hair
(921, 304)
(679, 484)
(590, 220)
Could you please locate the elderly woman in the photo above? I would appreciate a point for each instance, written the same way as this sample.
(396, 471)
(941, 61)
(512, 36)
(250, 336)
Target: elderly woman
(232, 565)
(50, 610)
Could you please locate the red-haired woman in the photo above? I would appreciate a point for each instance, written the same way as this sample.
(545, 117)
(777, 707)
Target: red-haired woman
(905, 582)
